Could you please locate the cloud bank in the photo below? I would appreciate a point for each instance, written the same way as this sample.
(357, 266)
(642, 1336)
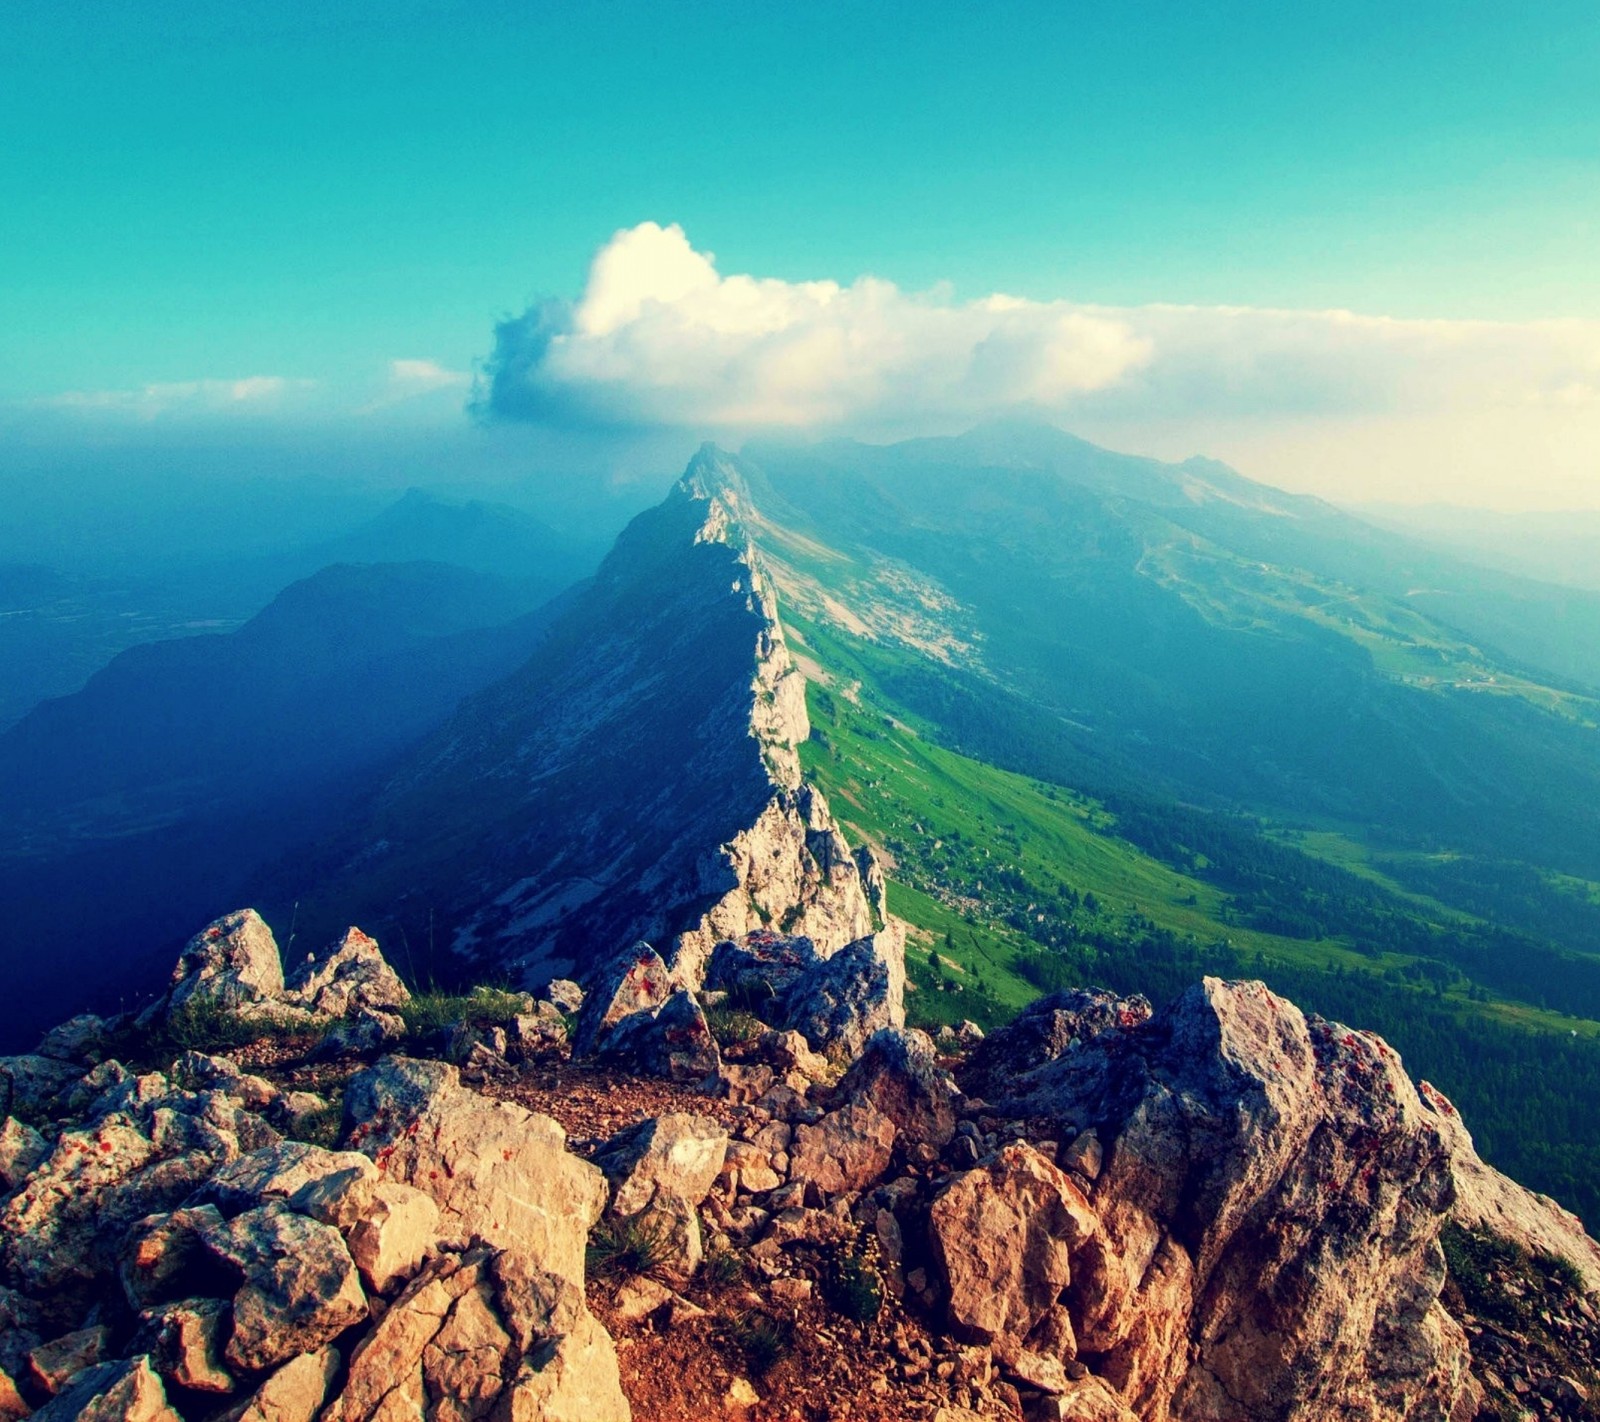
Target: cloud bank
(660, 337)
(1340, 402)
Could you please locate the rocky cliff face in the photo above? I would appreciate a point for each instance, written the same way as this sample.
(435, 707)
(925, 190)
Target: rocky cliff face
(1222, 1211)
(637, 779)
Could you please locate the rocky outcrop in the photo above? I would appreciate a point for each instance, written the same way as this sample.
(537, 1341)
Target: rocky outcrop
(638, 779)
(1222, 1212)
(233, 966)
(500, 1175)
(348, 974)
(165, 1249)
(1271, 1198)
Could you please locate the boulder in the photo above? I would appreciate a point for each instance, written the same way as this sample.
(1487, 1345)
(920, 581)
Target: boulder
(755, 970)
(673, 1041)
(198, 1071)
(1002, 1236)
(840, 1002)
(185, 1342)
(672, 1225)
(163, 1257)
(299, 1286)
(532, 1034)
(125, 1391)
(469, 1334)
(22, 1150)
(392, 1094)
(789, 1052)
(396, 1230)
(574, 1378)
(52, 1365)
(275, 1173)
(500, 1174)
(34, 1085)
(295, 1393)
(60, 1233)
(364, 1033)
(564, 995)
(1044, 1031)
(346, 975)
(847, 1149)
(84, 1040)
(675, 1154)
(633, 981)
(231, 963)
(899, 1074)
(1274, 1189)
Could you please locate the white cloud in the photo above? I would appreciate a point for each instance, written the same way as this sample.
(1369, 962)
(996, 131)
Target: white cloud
(249, 394)
(422, 377)
(1334, 402)
(659, 337)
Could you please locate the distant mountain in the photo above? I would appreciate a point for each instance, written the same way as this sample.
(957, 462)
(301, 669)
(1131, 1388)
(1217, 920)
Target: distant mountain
(58, 628)
(1559, 547)
(485, 537)
(1182, 626)
(131, 804)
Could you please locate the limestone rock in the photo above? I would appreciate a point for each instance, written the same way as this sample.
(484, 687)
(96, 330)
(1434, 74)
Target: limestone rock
(673, 1226)
(843, 1000)
(365, 1032)
(126, 1391)
(275, 1172)
(532, 1034)
(758, 967)
(396, 1230)
(846, 1150)
(294, 1393)
(637, 1298)
(498, 1173)
(1044, 1031)
(675, 1154)
(390, 1095)
(52, 1365)
(469, 1334)
(574, 1378)
(673, 1041)
(185, 1343)
(34, 1085)
(788, 1052)
(1003, 1235)
(231, 963)
(163, 1256)
(898, 1073)
(300, 1289)
(83, 1039)
(633, 981)
(1274, 1190)
(346, 975)
(12, 1407)
(22, 1149)
(564, 995)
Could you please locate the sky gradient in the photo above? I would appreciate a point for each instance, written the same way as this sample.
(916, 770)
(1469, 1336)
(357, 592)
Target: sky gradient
(336, 205)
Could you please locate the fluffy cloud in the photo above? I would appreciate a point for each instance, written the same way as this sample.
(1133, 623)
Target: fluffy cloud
(660, 337)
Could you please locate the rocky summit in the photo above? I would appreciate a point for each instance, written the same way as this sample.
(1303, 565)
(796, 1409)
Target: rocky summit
(637, 778)
(288, 1192)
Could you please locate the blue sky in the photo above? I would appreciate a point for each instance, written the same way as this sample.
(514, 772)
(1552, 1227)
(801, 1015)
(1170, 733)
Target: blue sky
(195, 195)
